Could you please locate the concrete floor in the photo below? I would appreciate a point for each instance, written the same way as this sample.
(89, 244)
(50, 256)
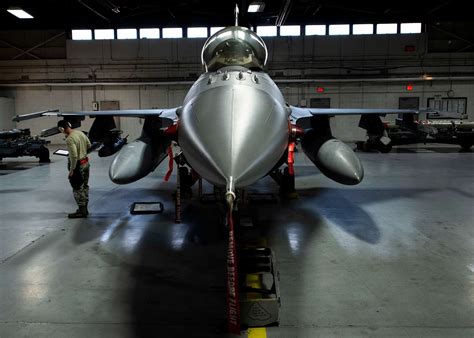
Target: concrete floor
(393, 256)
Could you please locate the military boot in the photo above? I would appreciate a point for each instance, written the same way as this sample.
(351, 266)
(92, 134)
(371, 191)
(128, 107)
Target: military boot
(80, 213)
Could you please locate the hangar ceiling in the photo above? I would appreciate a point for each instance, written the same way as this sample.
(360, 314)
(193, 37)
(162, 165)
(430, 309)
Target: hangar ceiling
(448, 24)
(60, 14)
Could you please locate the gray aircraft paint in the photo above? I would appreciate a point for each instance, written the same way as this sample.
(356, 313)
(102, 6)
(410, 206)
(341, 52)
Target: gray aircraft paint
(233, 126)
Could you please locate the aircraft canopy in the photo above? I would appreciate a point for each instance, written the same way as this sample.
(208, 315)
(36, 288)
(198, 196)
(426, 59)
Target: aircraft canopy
(234, 46)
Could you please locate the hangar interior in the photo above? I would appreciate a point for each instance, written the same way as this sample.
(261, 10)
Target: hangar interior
(393, 256)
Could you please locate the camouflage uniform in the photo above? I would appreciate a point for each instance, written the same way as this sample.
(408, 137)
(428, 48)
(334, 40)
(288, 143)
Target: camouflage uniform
(81, 195)
(78, 143)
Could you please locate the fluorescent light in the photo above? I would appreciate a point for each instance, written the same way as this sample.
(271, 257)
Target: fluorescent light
(315, 30)
(169, 33)
(255, 7)
(197, 32)
(81, 34)
(104, 34)
(125, 34)
(407, 28)
(267, 30)
(361, 29)
(338, 29)
(387, 28)
(19, 13)
(149, 33)
(214, 30)
(290, 30)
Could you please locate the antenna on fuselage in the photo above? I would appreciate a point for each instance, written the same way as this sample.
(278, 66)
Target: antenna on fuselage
(236, 12)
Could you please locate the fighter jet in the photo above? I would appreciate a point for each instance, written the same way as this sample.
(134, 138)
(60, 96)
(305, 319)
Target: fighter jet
(234, 127)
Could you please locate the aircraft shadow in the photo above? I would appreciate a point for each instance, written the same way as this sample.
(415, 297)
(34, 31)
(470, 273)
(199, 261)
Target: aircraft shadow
(175, 281)
(179, 280)
(14, 191)
(339, 209)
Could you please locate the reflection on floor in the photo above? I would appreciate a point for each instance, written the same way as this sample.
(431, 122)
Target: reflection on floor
(429, 148)
(391, 256)
(13, 165)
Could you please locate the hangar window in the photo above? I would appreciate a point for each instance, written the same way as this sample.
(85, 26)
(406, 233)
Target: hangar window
(81, 34)
(290, 30)
(338, 29)
(362, 29)
(124, 34)
(197, 32)
(408, 28)
(172, 33)
(149, 33)
(214, 30)
(267, 30)
(104, 34)
(315, 30)
(387, 28)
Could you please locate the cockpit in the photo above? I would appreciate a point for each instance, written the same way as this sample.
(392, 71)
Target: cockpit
(234, 46)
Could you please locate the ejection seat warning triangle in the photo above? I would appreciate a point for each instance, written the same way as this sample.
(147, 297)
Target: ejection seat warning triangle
(258, 313)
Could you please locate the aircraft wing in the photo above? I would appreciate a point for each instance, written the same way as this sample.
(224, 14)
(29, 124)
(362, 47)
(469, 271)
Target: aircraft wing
(169, 114)
(298, 113)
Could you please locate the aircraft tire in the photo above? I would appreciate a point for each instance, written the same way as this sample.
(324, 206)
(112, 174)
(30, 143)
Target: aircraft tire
(385, 148)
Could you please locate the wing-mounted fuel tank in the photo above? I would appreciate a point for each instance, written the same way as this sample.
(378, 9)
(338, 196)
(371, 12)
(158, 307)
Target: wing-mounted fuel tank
(333, 157)
(140, 157)
(234, 46)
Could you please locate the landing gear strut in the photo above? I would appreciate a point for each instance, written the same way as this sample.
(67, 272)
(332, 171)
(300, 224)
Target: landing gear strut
(286, 181)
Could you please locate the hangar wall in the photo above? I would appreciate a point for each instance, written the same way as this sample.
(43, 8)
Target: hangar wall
(367, 95)
(7, 110)
(355, 71)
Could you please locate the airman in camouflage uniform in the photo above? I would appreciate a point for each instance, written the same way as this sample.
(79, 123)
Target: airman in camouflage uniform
(78, 166)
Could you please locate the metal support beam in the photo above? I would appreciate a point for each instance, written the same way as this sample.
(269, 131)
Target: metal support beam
(20, 49)
(469, 42)
(93, 10)
(39, 45)
(43, 83)
(285, 10)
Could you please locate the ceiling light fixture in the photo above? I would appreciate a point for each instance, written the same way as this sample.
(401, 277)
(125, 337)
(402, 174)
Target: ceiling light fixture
(255, 7)
(19, 13)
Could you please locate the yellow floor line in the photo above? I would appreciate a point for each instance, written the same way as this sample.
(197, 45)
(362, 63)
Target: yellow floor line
(257, 332)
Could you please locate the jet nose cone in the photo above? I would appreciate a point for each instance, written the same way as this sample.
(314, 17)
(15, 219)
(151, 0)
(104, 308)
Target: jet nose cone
(223, 135)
